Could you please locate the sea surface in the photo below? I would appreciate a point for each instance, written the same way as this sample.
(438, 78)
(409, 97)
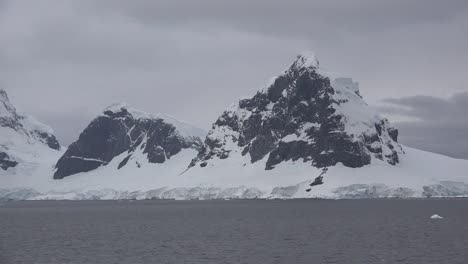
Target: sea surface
(236, 231)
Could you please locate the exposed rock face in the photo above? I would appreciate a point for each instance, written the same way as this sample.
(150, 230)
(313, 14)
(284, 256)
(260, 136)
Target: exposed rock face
(6, 162)
(121, 129)
(23, 124)
(304, 114)
(19, 131)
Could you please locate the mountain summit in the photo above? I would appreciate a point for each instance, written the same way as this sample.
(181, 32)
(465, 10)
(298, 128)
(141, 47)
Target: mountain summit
(306, 59)
(304, 114)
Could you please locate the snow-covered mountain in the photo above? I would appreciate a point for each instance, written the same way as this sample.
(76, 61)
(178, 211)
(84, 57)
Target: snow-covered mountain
(23, 139)
(128, 137)
(303, 115)
(309, 134)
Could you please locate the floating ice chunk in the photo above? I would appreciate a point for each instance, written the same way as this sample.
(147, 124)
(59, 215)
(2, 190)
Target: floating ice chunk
(436, 216)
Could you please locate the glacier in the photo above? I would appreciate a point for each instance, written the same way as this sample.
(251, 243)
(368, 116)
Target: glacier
(420, 175)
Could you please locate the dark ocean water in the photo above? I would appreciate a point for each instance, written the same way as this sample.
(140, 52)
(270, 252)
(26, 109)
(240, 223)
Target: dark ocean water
(254, 231)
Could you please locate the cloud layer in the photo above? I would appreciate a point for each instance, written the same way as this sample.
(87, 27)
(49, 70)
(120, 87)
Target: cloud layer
(438, 125)
(65, 60)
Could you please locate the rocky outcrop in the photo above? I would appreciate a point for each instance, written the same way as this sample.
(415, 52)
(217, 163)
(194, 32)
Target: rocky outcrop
(19, 131)
(6, 162)
(121, 129)
(25, 125)
(305, 114)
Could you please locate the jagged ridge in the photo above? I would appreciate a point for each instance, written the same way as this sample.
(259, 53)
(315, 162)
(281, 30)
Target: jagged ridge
(20, 130)
(121, 129)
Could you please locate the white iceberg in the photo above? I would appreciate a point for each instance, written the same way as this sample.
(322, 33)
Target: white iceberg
(436, 216)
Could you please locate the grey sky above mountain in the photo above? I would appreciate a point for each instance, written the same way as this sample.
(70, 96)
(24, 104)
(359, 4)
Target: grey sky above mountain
(432, 124)
(63, 61)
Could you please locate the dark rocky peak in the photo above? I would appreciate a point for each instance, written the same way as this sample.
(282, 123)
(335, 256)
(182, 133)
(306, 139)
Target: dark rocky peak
(304, 114)
(128, 134)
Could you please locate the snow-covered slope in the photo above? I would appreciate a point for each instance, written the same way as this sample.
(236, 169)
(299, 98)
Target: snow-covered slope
(309, 134)
(419, 174)
(25, 143)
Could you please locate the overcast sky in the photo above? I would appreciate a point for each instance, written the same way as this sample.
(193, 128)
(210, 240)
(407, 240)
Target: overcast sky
(63, 61)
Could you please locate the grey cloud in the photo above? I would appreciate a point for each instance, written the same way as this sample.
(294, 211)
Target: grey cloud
(296, 16)
(191, 59)
(440, 125)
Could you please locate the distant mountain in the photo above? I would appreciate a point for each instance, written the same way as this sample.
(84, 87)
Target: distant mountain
(22, 138)
(305, 114)
(140, 137)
